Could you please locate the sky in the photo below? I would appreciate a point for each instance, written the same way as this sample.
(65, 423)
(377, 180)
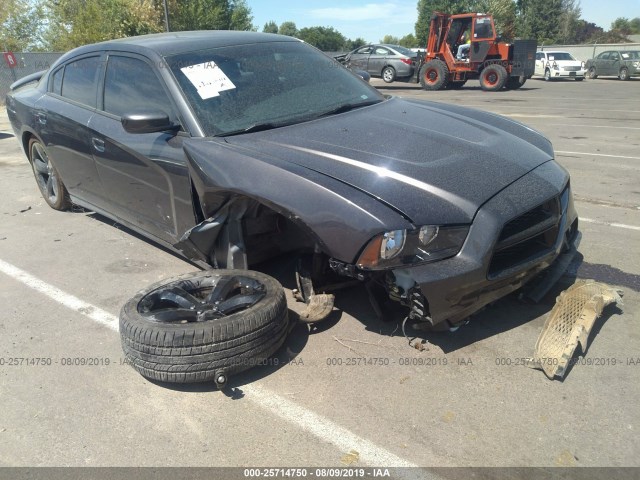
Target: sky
(372, 20)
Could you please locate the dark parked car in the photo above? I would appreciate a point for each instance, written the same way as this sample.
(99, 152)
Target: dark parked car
(391, 62)
(219, 146)
(623, 64)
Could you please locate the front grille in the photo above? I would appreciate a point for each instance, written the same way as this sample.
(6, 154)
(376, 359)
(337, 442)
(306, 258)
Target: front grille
(571, 69)
(527, 236)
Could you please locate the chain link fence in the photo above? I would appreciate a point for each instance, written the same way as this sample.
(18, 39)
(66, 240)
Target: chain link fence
(28, 63)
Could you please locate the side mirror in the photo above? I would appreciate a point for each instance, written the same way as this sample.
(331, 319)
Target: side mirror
(147, 121)
(362, 74)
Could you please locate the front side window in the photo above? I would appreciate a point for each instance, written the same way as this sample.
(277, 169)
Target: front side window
(614, 56)
(265, 85)
(131, 85)
(603, 56)
(56, 81)
(79, 82)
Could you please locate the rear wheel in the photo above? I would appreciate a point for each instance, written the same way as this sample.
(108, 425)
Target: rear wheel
(388, 74)
(51, 187)
(624, 74)
(493, 78)
(514, 83)
(434, 75)
(592, 73)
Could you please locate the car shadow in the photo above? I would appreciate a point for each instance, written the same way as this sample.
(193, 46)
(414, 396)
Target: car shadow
(5, 135)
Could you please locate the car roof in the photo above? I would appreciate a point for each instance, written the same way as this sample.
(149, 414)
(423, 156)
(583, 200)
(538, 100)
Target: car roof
(171, 43)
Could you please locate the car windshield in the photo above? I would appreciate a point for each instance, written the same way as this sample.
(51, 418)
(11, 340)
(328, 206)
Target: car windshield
(631, 55)
(561, 56)
(265, 85)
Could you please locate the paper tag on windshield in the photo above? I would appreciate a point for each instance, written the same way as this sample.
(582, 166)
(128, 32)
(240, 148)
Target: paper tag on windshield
(208, 78)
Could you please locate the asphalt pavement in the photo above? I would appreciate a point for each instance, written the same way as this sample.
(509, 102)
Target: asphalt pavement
(351, 392)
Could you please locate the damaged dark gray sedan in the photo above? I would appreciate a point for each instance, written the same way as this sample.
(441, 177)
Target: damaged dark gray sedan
(234, 147)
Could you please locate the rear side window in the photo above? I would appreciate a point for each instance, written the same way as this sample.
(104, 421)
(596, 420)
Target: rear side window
(131, 85)
(80, 81)
(56, 81)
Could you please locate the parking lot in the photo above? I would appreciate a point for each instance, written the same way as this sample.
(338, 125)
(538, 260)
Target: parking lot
(350, 392)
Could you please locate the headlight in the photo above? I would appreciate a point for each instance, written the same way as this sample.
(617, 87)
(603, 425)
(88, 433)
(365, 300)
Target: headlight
(409, 247)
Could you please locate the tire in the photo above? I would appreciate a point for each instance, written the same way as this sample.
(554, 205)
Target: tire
(165, 342)
(592, 73)
(434, 75)
(624, 74)
(493, 78)
(388, 74)
(514, 83)
(47, 177)
(579, 79)
(547, 75)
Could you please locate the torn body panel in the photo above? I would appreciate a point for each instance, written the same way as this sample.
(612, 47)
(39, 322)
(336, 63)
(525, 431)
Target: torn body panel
(234, 190)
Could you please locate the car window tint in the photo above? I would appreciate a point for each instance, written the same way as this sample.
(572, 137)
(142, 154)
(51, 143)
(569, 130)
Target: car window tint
(56, 81)
(79, 81)
(614, 56)
(381, 51)
(363, 50)
(603, 56)
(539, 56)
(130, 84)
(482, 28)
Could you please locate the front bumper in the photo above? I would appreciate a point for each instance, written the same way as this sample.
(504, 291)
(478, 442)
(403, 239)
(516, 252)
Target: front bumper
(457, 287)
(562, 73)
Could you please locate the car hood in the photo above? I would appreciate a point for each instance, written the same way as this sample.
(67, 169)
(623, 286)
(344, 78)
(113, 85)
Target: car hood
(431, 162)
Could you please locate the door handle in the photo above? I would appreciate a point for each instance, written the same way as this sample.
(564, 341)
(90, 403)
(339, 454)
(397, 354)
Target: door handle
(98, 144)
(41, 118)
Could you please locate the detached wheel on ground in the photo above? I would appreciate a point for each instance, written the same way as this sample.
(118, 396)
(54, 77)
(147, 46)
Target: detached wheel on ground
(493, 78)
(51, 187)
(434, 75)
(388, 74)
(204, 326)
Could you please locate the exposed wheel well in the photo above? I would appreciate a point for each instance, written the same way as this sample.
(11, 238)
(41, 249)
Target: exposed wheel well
(26, 138)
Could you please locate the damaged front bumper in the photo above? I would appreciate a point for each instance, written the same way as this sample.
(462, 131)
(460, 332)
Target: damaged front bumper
(497, 257)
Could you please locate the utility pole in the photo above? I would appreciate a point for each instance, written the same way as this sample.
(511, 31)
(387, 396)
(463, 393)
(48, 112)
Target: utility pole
(166, 16)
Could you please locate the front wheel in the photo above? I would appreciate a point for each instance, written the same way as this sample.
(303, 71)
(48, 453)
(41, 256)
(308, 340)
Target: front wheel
(493, 78)
(434, 75)
(204, 326)
(624, 74)
(388, 74)
(547, 75)
(47, 177)
(592, 73)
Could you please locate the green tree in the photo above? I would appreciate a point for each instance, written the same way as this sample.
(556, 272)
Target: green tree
(77, 22)
(324, 38)
(353, 44)
(625, 27)
(569, 22)
(390, 39)
(409, 41)
(504, 15)
(241, 17)
(288, 28)
(199, 15)
(270, 27)
(21, 25)
(426, 9)
(539, 19)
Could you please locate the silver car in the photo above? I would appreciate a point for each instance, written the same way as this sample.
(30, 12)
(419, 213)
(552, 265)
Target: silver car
(391, 62)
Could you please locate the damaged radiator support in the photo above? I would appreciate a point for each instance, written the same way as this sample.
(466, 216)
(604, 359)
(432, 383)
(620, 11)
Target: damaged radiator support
(569, 324)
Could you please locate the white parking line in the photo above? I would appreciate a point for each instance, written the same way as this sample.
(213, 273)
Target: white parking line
(609, 224)
(317, 425)
(597, 155)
